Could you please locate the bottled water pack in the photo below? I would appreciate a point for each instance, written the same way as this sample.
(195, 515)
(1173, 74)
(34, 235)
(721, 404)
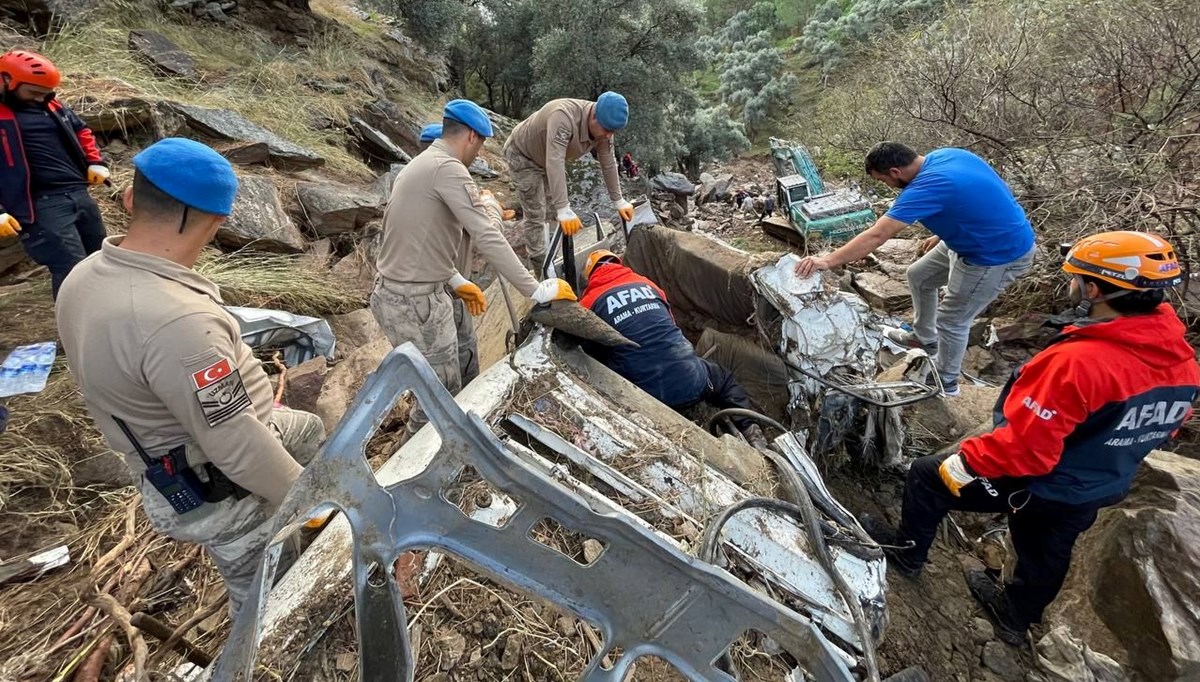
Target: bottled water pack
(27, 368)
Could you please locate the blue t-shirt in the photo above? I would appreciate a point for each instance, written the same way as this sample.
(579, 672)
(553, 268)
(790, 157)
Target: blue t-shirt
(958, 197)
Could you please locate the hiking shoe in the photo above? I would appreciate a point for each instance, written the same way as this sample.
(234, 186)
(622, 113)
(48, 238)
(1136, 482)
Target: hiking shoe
(950, 388)
(903, 337)
(895, 548)
(991, 595)
(755, 436)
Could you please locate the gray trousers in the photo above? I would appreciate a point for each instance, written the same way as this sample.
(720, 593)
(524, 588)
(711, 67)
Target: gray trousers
(969, 290)
(533, 190)
(437, 323)
(235, 533)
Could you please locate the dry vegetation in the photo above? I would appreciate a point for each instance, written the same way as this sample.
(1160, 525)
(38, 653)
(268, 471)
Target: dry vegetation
(1091, 109)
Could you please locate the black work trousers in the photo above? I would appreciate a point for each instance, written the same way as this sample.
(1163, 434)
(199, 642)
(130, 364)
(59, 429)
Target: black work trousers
(67, 228)
(1042, 531)
(723, 392)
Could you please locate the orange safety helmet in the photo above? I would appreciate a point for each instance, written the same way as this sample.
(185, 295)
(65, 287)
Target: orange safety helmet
(1130, 260)
(28, 68)
(594, 258)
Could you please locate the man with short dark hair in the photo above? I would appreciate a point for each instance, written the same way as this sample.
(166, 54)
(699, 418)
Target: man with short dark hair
(982, 242)
(435, 216)
(539, 148)
(48, 158)
(166, 376)
(1072, 426)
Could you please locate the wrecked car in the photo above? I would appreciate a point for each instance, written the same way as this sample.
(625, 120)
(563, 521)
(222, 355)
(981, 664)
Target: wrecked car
(555, 477)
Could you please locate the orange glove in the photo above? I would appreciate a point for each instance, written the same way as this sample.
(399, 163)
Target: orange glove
(569, 222)
(97, 174)
(9, 227)
(553, 290)
(470, 293)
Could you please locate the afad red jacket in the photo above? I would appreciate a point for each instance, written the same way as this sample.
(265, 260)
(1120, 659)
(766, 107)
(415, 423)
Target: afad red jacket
(1081, 415)
(15, 197)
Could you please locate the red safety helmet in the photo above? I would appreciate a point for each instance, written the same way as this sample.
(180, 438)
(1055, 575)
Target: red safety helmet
(28, 68)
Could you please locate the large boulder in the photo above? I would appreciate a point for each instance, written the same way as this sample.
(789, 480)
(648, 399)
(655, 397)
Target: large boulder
(673, 183)
(163, 55)
(400, 125)
(345, 379)
(250, 142)
(334, 209)
(376, 144)
(1134, 588)
(355, 330)
(881, 291)
(259, 220)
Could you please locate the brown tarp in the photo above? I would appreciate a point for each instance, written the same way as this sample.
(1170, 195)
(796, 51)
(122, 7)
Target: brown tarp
(759, 371)
(705, 280)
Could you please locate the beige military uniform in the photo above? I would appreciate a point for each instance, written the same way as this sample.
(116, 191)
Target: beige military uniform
(434, 217)
(148, 341)
(537, 152)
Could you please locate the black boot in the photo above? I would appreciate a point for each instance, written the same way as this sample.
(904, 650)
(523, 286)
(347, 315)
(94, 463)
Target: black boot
(991, 595)
(895, 548)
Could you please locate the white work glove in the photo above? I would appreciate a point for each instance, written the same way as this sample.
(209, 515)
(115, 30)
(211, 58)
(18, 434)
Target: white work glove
(569, 222)
(470, 293)
(97, 174)
(553, 290)
(625, 209)
(9, 227)
(956, 474)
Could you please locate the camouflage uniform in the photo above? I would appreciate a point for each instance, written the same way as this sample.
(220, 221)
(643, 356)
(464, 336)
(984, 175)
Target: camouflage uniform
(537, 152)
(437, 323)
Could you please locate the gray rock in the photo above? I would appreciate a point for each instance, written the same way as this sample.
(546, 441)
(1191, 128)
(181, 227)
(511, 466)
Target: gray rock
(258, 220)
(382, 187)
(1132, 591)
(334, 209)
(162, 54)
(480, 168)
(47, 14)
(376, 144)
(882, 292)
(982, 630)
(1002, 660)
(355, 330)
(253, 143)
(674, 183)
(719, 187)
(1063, 658)
(399, 124)
(321, 249)
(107, 469)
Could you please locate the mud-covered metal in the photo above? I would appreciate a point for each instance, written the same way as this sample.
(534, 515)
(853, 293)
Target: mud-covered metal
(645, 595)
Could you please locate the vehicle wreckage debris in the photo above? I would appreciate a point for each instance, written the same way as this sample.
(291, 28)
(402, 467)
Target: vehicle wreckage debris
(578, 321)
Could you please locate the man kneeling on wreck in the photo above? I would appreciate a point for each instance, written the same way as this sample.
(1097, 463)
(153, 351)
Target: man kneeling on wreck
(663, 364)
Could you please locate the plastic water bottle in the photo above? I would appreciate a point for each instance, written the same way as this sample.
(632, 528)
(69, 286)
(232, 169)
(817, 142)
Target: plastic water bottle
(27, 369)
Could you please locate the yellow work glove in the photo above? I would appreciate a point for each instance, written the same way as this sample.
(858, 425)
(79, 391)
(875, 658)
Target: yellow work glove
(955, 474)
(97, 174)
(625, 209)
(569, 222)
(9, 227)
(471, 294)
(553, 290)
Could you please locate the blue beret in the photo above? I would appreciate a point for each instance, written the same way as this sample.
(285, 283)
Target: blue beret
(612, 111)
(431, 132)
(191, 173)
(469, 114)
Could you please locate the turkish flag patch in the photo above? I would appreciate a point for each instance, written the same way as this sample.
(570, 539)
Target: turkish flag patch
(212, 374)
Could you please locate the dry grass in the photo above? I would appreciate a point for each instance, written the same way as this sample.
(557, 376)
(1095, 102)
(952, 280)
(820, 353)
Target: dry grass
(241, 70)
(293, 283)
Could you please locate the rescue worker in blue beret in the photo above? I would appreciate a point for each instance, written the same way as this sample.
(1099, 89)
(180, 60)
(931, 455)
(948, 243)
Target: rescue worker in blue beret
(538, 149)
(429, 133)
(166, 377)
(435, 216)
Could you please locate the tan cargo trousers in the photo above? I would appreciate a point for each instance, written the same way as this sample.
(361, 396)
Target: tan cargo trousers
(533, 190)
(437, 323)
(234, 533)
